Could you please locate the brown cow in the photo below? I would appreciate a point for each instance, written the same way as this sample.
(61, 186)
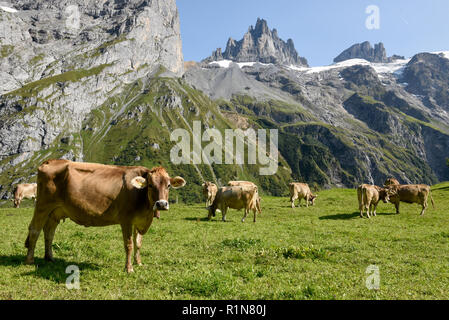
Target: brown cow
(391, 182)
(209, 191)
(369, 197)
(96, 195)
(242, 197)
(24, 191)
(301, 191)
(417, 193)
(250, 184)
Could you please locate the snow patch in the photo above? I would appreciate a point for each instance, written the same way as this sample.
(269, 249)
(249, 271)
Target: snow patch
(8, 9)
(222, 63)
(444, 53)
(227, 63)
(394, 67)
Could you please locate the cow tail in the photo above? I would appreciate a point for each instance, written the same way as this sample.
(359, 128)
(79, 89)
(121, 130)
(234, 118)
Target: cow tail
(364, 199)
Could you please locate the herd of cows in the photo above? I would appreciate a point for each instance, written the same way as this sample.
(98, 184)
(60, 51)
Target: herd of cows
(96, 195)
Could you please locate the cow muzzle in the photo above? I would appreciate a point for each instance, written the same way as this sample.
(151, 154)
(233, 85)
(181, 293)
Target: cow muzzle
(161, 205)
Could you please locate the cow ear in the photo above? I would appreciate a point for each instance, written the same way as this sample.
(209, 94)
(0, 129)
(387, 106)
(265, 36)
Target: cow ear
(139, 182)
(177, 182)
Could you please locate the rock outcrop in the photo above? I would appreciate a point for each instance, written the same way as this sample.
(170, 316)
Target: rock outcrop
(364, 50)
(260, 44)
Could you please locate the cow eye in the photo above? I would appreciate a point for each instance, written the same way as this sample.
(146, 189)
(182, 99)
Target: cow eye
(169, 186)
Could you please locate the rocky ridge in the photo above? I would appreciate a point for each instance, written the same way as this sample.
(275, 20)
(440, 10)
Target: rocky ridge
(260, 44)
(364, 50)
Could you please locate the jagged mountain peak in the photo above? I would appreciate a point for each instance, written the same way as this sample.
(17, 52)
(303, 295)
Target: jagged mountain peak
(365, 50)
(260, 44)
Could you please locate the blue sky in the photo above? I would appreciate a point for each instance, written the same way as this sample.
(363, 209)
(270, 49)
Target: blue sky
(320, 29)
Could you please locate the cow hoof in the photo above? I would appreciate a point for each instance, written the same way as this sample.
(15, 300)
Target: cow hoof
(49, 259)
(129, 269)
(29, 261)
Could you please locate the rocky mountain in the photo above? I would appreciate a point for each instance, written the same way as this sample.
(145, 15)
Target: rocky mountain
(365, 51)
(260, 44)
(98, 81)
(353, 121)
(104, 81)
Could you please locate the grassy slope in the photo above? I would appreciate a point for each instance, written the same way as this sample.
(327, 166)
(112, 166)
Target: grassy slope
(189, 258)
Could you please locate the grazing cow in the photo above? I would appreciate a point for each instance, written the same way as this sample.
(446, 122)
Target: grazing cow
(301, 191)
(209, 191)
(369, 197)
(418, 193)
(391, 182)
(242, 197)
(24, 190)
(96, 195)
(250, 184)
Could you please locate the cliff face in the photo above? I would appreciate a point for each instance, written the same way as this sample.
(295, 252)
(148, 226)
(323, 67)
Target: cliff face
(260, 44)
(62, 59)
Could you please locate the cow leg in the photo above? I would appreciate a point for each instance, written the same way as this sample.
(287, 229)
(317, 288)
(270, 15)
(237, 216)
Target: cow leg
(127, 231)
(292, 200)
(137, 238)
(245, 215)
(424, 206)
(374, 214)
(368, 208)
(49, 233)
(397, 207)
(224, 211)
(40, 217)
(255, 214)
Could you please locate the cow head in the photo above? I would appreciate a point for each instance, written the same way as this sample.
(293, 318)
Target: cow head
(392, 192)
(384, 195)
(159, 184)
(207, 188)
(312, 199)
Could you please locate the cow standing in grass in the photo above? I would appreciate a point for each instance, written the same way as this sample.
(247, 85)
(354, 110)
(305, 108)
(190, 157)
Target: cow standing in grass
(24, 191)
(417, 193)
(369, 197)
(301, 191)
(250, 184)
(242, 197)
(209, 191)
(96, 195)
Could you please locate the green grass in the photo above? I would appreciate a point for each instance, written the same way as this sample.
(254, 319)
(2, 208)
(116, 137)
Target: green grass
(317, 253)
